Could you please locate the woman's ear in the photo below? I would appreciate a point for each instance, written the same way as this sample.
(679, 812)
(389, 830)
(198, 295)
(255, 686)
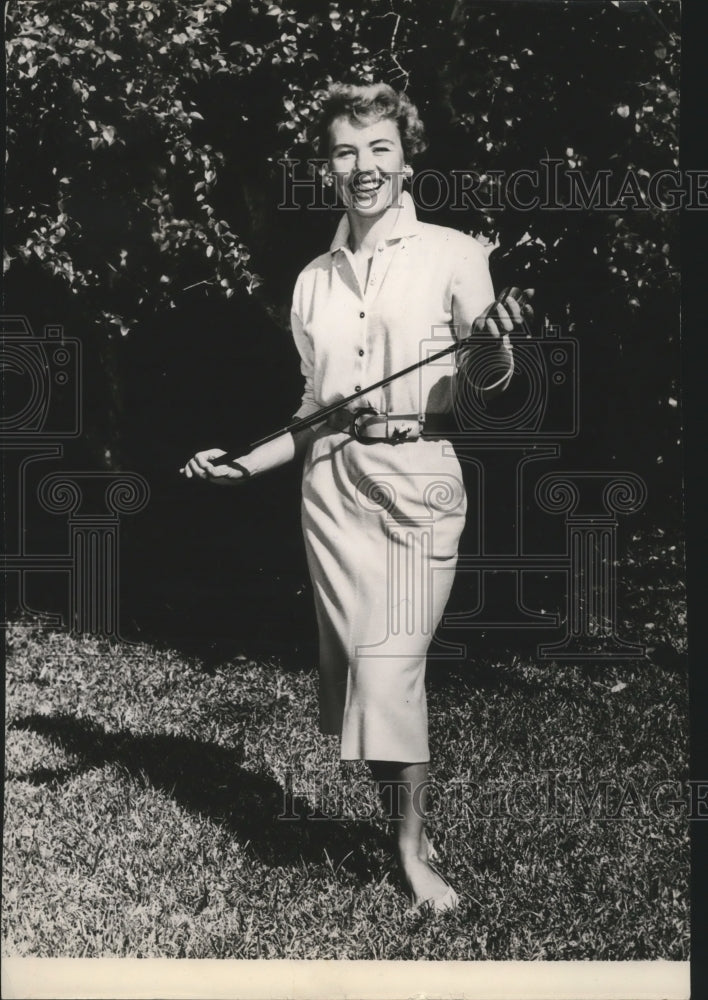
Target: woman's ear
(407, 172)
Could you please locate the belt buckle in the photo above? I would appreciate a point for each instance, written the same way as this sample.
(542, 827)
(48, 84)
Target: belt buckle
(357, 431)
(400, 429)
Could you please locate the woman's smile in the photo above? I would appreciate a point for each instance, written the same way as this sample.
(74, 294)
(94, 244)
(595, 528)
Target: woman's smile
(365, 187)
(366, 182)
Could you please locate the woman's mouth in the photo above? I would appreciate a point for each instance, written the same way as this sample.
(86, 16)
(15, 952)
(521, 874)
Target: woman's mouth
(366, 185)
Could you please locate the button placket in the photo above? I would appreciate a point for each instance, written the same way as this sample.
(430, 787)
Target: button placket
(380, 263)
(358, 364)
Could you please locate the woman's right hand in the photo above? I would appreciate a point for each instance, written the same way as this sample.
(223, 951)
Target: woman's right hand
(205, 465)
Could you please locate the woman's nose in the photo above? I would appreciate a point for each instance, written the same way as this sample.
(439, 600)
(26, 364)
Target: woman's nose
(365, 161)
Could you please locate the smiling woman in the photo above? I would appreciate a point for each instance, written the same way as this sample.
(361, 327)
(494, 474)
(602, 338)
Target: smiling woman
(383, 503)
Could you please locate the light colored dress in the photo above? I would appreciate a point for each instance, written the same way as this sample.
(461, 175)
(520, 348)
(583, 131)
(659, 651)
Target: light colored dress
(382, 521)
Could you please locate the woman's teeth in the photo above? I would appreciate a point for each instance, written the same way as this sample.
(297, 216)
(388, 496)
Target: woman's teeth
(366, 186)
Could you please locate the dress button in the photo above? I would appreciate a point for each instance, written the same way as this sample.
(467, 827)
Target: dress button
(361, 315)
(357, 388)
(361, 352)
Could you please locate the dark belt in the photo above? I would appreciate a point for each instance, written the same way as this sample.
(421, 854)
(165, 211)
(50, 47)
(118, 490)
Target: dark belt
(369, 426)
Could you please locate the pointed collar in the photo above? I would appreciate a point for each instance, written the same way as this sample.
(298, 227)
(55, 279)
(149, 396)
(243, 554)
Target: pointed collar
(405, 224)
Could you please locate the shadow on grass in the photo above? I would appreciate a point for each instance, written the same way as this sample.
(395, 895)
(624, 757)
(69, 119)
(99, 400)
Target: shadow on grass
(210, 780)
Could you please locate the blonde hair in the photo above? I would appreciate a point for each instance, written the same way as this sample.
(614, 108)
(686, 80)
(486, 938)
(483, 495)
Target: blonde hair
(364, 105)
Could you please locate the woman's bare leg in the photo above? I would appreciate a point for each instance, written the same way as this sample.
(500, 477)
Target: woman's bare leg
(403, 789)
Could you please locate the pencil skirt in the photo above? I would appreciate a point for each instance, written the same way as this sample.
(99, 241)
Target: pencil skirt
(381, 525)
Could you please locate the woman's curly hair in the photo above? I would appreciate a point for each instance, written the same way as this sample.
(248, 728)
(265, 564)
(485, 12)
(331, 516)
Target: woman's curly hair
(366, 104)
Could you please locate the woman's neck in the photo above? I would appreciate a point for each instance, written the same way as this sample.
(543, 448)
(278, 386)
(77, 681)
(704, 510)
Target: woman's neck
(365, 233)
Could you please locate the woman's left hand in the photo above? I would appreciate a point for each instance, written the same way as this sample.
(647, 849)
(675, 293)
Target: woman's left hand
(489, 370)
(508, 313)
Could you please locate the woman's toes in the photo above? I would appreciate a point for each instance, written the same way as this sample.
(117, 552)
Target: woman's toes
(449, 901)
(427, 887)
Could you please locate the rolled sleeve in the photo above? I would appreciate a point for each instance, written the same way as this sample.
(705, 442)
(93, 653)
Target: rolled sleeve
(305, 349)
(472, 292)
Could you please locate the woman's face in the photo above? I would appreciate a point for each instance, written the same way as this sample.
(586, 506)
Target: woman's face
(367, 162)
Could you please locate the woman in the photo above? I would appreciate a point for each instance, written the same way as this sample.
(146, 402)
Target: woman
(383, 500)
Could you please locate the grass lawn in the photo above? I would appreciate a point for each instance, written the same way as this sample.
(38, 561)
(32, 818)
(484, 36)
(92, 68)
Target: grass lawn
(143, 793)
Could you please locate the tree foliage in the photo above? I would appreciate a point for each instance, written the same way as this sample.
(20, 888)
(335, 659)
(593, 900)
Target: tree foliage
(144, 137)
(109, 186)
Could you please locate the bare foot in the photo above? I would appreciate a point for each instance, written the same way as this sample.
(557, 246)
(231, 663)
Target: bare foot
(426, 886)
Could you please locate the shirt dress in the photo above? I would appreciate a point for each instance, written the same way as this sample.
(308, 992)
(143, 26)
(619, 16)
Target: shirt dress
(381, 521)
